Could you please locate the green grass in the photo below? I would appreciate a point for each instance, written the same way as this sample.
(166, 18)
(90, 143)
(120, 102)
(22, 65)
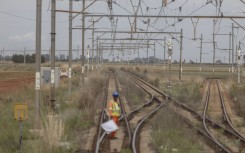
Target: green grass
(134, 94)
(238, 97)
(171, 134)
(126, 151)
(9, 135)
(187, 92)
(73, 119)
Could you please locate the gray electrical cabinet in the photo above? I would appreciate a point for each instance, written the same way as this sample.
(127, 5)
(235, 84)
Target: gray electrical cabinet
(46, 76)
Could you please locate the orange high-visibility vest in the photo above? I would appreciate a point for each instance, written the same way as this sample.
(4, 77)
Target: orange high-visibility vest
(114, 109)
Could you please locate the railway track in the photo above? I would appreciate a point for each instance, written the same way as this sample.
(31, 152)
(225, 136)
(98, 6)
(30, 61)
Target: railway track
(225, 114)
(196, 118)
(159, 97)
(226, 142)
(137, 118)
(103, 143)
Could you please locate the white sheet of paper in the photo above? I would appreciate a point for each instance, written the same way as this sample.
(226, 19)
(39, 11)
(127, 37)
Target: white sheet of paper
(109, 126)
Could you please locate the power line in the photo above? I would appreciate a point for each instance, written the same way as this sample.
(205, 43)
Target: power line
(29, 19)
(13, 15)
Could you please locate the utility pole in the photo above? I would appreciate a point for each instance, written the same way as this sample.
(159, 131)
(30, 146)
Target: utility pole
(213, 46)
(236, 53)
(93, 47)
(170, 52)
(70, 45)
(88, 58)
(238, 62)
(148, 61)
(135, 19)
(53, 22)
(154, 53)
(38, 61)
(102, 55)
(138, 55)
(201, 55)
(232, 46)
(230, 38)
(24, 56)
(181, 50)
(78, 57)
(97, 52)
(164, 47)
(83, 39)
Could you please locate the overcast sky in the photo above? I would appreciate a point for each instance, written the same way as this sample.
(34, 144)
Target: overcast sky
(17, 18)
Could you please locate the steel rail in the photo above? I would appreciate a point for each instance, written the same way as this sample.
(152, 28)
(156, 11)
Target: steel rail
(208, 120)
(186, 120)
(227, 118)
(123, 111)
(204, 133)
(130, 114)
(102, 115)
(140, 124)
(157, 90)
(200, 117)
(204, 120)
(102, 136)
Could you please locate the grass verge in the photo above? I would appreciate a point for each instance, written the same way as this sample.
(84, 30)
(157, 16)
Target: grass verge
(171, 135)
(62, 133)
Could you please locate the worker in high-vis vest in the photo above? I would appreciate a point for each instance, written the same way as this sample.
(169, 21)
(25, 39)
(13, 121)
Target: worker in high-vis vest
(114, 111)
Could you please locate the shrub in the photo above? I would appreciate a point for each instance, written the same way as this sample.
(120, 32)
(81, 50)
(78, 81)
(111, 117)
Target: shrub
(155, 82)
(189, 93)
(237, 95)
(111, 69)
(137, 69)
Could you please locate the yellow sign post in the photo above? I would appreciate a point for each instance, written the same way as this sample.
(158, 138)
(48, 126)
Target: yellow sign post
(20, 112)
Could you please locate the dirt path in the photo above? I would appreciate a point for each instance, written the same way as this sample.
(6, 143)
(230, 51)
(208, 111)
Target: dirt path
(214, 107)
(10, 85)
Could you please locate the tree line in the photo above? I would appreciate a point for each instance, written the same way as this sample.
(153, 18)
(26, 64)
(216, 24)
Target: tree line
(18, 58)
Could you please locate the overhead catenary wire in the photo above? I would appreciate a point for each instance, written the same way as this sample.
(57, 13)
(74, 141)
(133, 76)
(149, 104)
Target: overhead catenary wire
(30, 19)
(152, 25)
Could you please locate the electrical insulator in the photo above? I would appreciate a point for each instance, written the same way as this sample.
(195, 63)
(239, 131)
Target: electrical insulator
(164, 2)
(110, 4)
